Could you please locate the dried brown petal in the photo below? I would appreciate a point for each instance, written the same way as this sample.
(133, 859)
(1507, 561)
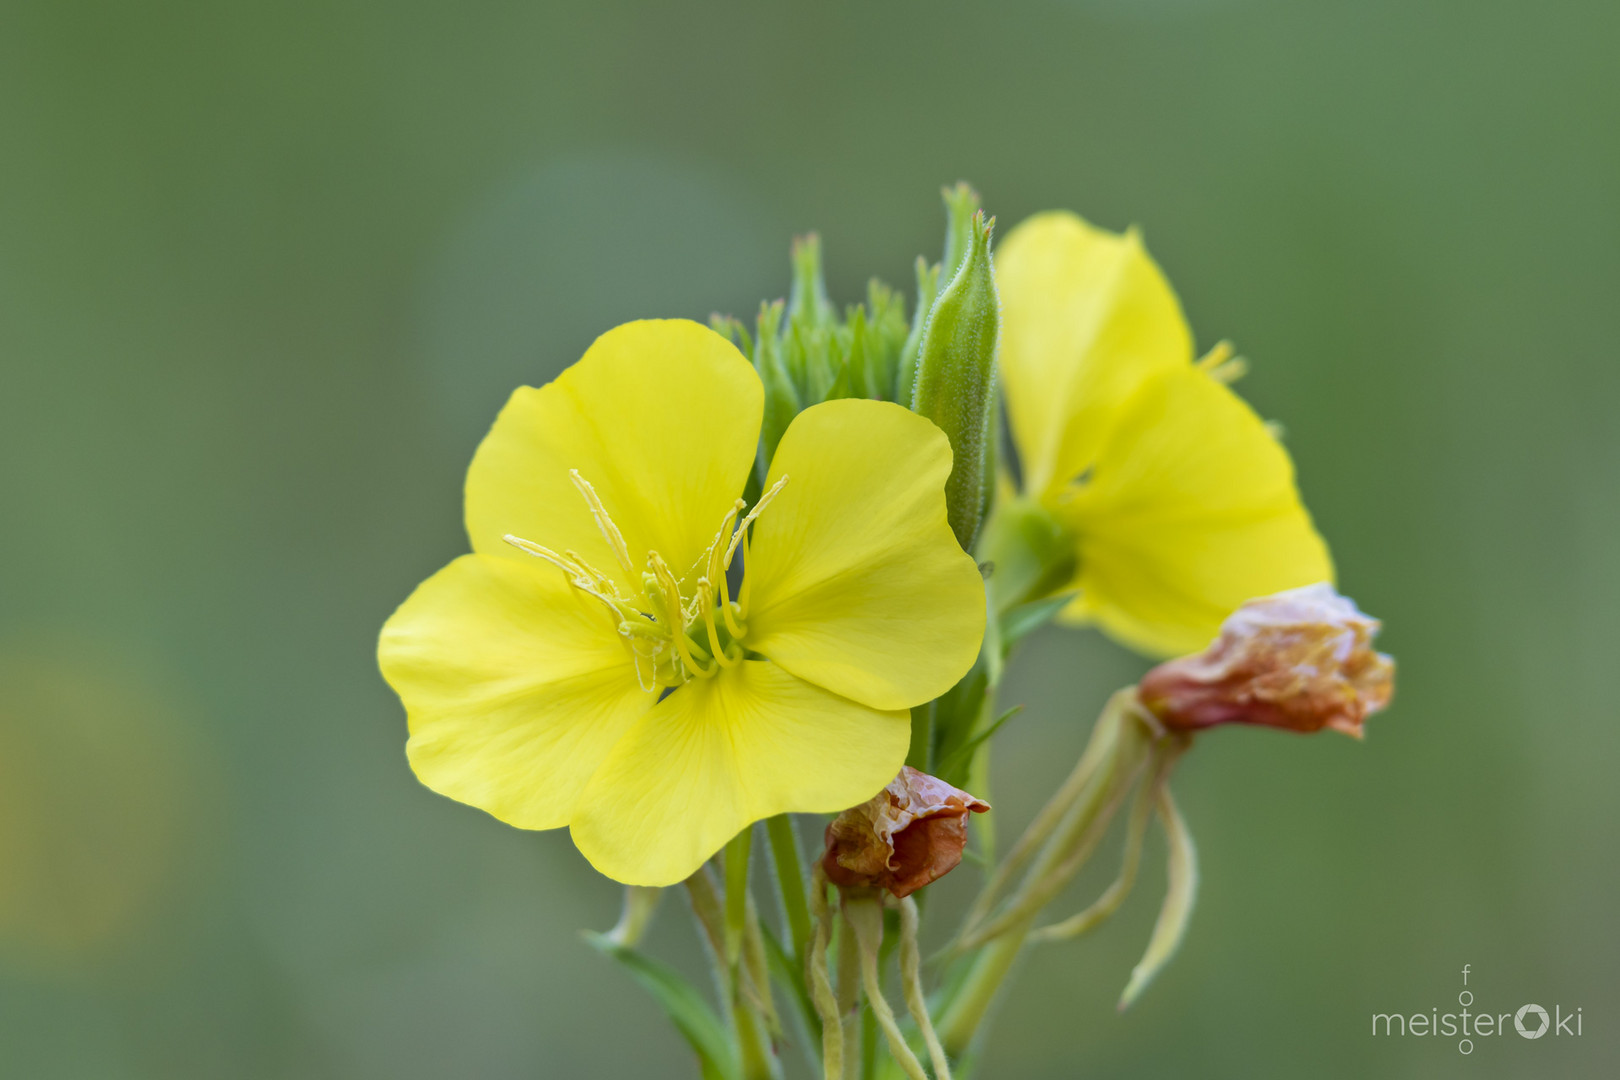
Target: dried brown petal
(1301, 660)
(909, 834)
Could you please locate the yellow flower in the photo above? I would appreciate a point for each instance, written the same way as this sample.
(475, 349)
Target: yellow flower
(1171, 500)
(587, 665)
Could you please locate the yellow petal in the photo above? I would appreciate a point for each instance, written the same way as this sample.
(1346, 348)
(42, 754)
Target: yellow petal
(720, 753)
(856, 582)
(661, 417)
(515, 686)
(1190, 510)
(1086, 317)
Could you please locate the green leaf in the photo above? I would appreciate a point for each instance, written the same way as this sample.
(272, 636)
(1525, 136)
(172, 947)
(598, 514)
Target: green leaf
(684, 1006)
(957, 714)
(962, 755)
(1182, 889)
(1024, 619)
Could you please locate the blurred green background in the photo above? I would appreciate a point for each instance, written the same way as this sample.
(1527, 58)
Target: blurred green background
(267, 272)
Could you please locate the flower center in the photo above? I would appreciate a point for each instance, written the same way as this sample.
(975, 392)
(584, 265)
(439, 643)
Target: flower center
(676, 628)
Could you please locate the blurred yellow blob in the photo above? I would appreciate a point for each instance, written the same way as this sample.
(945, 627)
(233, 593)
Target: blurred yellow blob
(1173, 503)
(93, 783)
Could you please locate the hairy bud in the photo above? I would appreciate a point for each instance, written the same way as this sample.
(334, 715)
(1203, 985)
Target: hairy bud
(956, 376)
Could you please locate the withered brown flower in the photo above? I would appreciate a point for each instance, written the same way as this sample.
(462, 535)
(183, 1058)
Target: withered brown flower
(1301, 660)
(907, 835)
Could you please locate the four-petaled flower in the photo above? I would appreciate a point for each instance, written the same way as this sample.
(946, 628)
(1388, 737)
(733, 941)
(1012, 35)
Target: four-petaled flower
(1170, 500)
(588, 664)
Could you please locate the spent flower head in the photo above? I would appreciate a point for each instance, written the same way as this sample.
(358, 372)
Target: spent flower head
(1301, 660)
(908, 835)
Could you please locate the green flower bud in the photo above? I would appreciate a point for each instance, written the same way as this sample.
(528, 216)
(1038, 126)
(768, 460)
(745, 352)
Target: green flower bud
(961, 204)
(810, 347)
(956, 375)
(905, 383)
(782, 402)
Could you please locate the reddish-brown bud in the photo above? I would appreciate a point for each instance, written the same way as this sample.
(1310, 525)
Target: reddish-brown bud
(1301, 660)
(907, 835)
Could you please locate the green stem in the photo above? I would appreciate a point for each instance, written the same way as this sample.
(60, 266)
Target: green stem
(737, 892)
(1090, 808)
(639, 904)
(849, 990)
(754, 1044)
(1100, 749)
(972, 999)
(790, 881)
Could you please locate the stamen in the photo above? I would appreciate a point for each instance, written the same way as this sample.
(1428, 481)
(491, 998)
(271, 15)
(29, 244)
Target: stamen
(577, 575)
(747, 587)
(671, 591)
(610, 531)
(1222, 366)
(650, 682)
(706, 602)
(716, 569)
(759, 508)
(733, 624)
(602, 580)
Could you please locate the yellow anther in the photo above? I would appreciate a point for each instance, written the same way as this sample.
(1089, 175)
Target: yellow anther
(716, 568)
(602, 580)
(610, 531)
(578, 576)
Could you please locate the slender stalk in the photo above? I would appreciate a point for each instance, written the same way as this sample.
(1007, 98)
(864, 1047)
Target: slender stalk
(1068, 850)
(821, 991)
(756, 965)
(864, 916)
(1099, 749)
(849, 992)
(1109, 902)
(754, 1044)
(712, 912)
(737, 892)
(911, 983)
(784, 840)
(710, 915)
(639, 904)
(869, 1034)
(1070, 843)
(971, 1002)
